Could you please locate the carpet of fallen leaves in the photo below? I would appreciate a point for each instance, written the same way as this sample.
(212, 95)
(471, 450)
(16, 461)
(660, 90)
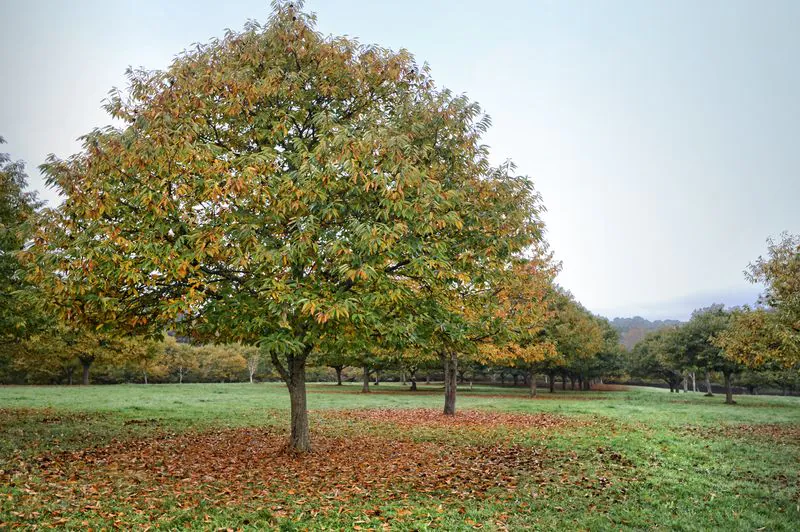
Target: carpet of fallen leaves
(245, 465)
(768, 432)
(467, 419)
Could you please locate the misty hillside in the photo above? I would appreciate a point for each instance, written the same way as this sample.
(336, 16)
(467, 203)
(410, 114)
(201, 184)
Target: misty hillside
(632, 330)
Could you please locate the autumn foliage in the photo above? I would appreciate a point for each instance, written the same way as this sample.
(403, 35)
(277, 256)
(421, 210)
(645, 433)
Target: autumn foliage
(277, 187)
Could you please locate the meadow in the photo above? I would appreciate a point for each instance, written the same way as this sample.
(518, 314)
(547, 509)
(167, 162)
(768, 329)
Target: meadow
(211, 456)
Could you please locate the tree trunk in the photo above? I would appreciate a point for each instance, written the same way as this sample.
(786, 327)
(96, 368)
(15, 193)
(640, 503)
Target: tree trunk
(145, 376)
(450, 377)
(300, 440)
(251, 378)
(685, 383)
(413, 376)
(294, 375)
(365, 387)
(563, 382)
(180, 376)
(580, 383)
(428, 378)
(338, 375)
(502, 377)
(532, 378)
(728, 390)
(694, 381)
(377, 377)
(403, 377)
(516, 378)
(70, 371)
(709, 393)
(552, 383)
(86, 364)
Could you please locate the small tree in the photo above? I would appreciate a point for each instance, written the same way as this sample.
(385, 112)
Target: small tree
(179, 358)
(253, 361)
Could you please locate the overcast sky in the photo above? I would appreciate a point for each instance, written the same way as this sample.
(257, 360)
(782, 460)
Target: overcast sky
(664, 136)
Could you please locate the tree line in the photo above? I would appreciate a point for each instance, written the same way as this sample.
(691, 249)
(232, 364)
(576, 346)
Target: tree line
(759, 346)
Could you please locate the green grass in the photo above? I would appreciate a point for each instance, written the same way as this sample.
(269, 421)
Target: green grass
(643, 458)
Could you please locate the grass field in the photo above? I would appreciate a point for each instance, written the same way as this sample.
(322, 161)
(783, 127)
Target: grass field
(211, 456)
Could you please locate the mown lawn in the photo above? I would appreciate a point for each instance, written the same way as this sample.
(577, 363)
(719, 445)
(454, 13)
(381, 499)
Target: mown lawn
(211, 456)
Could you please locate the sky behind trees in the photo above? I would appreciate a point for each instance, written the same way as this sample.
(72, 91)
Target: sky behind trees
(663, 136)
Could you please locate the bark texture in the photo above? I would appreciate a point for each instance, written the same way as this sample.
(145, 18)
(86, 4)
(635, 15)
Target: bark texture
(709, 393)
(86, 363)
(728, 390)
(294, 375)
(365, 387)
(450, 364)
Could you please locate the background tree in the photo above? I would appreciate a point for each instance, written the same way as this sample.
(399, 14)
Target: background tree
(578, 337)
(772, 333)
(45, 358)
(274, 187)
(523, 306)
(145, 356)
(223, 362)
(654, 356)
(19, 315)
(179, 358)
(696, 346)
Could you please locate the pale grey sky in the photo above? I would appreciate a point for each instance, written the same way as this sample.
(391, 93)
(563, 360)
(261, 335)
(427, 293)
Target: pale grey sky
(664, 136)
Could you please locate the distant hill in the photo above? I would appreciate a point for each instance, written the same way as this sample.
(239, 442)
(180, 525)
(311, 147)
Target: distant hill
(631, 330)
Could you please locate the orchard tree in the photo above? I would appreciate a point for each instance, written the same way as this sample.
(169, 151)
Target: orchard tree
(654, 356)
(253, 363)
(413, 359)
(771, 333)
(19, 314)
(578, 337)
(179, 358)
(275, 187)
(145, 356)
(523, 306)
(222, 362)
(696, 347)
(44, 358)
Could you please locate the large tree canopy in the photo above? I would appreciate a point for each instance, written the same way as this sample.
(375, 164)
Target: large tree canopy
(277, 187)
